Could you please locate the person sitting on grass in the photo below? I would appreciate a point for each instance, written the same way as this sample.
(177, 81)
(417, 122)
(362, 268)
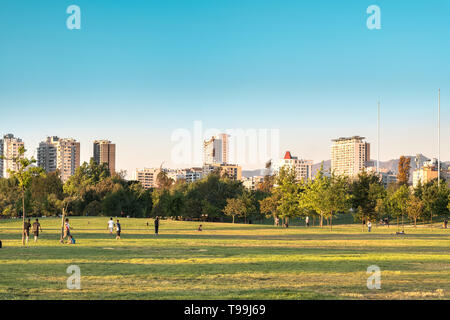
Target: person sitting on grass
(199, 228)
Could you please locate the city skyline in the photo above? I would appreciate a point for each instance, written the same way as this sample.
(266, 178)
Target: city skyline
(136, 73)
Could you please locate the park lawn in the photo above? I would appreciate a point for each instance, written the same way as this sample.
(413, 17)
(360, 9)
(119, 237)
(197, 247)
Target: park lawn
(225, 261)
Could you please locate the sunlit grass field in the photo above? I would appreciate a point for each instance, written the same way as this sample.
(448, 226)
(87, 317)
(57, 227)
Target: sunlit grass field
(224, 261)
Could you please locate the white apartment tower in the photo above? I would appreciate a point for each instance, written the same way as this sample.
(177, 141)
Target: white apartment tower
(59, 154)
(9, 148)
(215, 150)
(349, 155)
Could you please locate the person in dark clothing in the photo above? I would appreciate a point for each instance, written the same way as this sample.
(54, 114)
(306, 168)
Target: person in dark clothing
(36, 227)
(156, 225)
(445, 223)
(118, 230)
(26, 230)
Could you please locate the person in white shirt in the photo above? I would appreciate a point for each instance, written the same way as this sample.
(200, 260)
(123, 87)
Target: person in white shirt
(369, 225)
(111, 225)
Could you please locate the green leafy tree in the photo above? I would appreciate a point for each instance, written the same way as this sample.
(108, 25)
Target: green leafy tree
(24, 174)
(415, 208)
(234, 208)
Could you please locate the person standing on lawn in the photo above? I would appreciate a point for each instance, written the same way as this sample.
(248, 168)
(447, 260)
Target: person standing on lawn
(156, 225)
(26, 230)
(118, 230)
(36, 227)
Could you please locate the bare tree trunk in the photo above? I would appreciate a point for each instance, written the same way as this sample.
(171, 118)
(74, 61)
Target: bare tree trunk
(321, 220)
(62, 224)
(233, 218)
(331, 222)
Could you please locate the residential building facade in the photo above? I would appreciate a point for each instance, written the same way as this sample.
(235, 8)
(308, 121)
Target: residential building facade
(302, 168)
(9, 148)
(216, 150)
(349, 156)
(147, 177)
(105, 152)
(47, 154)
(59, 154)
(429, 172)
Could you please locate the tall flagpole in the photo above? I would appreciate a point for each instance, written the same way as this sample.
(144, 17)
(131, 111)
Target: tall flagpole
(378, 140)
(439, 137)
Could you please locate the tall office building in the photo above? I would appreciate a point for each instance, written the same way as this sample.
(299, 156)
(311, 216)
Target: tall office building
(9, 148)
(47, 154)
(302, 168)
(105, 152)
(349, 155)
(215, 150)
(59, 154)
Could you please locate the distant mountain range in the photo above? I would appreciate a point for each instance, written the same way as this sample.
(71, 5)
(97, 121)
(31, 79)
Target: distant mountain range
(391, 165)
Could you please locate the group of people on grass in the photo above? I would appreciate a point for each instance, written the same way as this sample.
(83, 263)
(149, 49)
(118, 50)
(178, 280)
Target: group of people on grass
(66, 234)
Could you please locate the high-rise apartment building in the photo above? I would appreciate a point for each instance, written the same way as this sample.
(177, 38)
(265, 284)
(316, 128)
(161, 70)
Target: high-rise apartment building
(47, 154)
(105, 152)
(302, 168)
(68, 157)
(9, 148)
(59, 154)
(349, 155)
(215, 150)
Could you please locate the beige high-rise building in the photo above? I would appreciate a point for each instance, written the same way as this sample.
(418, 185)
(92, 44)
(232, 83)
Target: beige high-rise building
(68, 157)
(215, 150)
(9, 148)
(349, 155)
(105, 152)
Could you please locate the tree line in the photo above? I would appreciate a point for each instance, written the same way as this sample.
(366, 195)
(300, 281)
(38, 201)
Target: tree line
(94, 191)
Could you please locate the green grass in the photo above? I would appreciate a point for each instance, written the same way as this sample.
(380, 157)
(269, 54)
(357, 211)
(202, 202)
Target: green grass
(225, 261)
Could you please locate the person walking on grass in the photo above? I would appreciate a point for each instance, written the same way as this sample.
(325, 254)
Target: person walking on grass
(369, 225)
(26, 230)
(445, 223)
(156, 225)
(118, 230)
(36, 227)
(67, 233)
(111, 226)
(307, 221)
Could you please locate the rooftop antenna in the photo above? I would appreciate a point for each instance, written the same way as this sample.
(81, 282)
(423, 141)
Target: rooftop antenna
(439, 137)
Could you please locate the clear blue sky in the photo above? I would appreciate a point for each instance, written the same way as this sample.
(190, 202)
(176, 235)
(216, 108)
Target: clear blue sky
(137, 70)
